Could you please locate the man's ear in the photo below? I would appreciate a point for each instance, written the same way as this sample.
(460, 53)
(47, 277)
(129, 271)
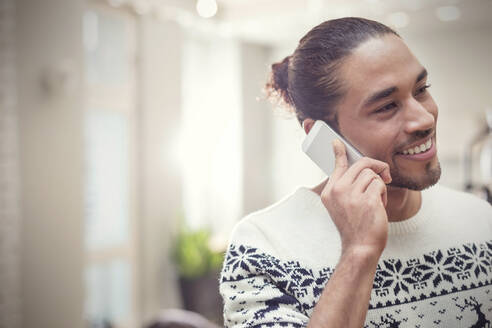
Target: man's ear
(307, 124)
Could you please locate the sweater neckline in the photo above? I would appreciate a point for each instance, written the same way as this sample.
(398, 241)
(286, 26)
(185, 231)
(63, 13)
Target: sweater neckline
(313, 203)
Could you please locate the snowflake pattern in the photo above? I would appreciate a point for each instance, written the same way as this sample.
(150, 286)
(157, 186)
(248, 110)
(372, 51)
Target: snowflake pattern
(397, 281)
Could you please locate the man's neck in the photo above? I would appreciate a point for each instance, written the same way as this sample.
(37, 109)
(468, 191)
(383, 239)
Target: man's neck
(402, 203)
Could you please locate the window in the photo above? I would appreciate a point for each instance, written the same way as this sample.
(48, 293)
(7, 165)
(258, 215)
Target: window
(110, 240)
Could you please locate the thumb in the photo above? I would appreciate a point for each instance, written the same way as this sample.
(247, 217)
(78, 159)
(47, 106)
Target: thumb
(341, 163)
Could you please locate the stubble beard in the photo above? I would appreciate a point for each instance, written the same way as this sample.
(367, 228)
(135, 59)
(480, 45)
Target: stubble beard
(428, 179)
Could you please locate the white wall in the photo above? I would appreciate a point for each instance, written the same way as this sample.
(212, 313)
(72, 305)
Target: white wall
(51, 164)
(256, 128)
(160, 181)
(10, 225)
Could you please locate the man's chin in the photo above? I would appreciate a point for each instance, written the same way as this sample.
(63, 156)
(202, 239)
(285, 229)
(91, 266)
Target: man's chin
(430, 178)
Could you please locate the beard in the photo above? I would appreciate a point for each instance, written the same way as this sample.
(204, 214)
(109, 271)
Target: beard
(428, 179)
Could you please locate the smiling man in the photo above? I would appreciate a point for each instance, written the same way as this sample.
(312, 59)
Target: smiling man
(378, 243)
(385, 77)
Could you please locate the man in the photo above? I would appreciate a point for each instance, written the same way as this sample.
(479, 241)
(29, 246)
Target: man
(373, 245)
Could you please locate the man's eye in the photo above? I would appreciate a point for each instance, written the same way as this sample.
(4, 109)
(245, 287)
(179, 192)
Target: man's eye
(423, 89)
(386, 108)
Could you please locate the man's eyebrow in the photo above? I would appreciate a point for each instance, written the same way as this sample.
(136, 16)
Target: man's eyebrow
(379, 95)
(421, 76)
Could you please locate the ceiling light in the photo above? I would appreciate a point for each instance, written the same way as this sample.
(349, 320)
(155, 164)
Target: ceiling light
(206, 8)
(448, 13)
(398, 19)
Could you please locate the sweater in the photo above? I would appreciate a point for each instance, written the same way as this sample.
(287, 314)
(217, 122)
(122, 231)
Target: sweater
(436, 269)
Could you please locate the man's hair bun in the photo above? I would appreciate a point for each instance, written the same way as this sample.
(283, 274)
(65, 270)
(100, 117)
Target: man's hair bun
(277, 86)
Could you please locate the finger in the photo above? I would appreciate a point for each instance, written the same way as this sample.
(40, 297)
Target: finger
(363, 180)
(341, 163)
(377, 187)
(379, 167)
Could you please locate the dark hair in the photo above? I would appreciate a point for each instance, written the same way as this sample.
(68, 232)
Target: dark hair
(307, 80)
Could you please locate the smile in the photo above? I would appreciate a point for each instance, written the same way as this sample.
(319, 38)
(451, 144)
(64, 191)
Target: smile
(419, 148)
(423, 151)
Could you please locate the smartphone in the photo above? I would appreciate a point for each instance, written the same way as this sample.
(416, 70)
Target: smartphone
(318, 146)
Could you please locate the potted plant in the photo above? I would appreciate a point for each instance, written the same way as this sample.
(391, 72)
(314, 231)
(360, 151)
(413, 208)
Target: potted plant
(199, 267)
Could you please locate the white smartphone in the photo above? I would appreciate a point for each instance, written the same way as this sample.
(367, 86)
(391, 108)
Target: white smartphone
(318, 146)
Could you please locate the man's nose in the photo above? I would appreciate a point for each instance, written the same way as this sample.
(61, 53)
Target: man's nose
(417, 117)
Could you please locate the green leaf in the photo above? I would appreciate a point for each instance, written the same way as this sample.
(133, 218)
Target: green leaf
(193, 255)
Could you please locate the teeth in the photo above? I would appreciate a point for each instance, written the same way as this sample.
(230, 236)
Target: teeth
(418, 149)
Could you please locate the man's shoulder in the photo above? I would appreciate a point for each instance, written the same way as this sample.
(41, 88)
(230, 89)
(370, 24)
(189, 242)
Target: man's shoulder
(459, 208)
(298, 216)
(273, 210)
(252, 229)
(257, 222)
(287, 208)
(454, 198)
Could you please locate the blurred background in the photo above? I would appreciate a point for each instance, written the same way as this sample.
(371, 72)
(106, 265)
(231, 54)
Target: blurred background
(134, 134)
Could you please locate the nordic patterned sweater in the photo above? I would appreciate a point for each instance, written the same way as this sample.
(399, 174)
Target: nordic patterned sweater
(436, 270)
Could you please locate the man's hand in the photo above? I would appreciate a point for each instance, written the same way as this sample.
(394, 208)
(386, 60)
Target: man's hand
(356, 197)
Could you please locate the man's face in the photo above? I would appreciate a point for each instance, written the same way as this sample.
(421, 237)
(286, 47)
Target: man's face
(387, 111)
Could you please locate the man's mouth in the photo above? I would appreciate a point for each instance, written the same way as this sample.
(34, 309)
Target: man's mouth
(421, 152)
(422, 148)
